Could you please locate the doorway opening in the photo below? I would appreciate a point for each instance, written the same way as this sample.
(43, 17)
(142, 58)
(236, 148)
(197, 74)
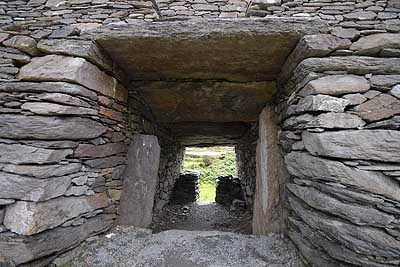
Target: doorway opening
(213, 164)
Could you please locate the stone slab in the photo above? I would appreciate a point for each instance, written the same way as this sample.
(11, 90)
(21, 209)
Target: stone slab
(28, 218)
(378, 145)
(336, 85)
(57, 128)
(268, 211)
(140, 181)
(255, 49)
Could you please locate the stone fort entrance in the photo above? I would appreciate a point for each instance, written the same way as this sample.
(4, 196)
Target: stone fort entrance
(99, 97)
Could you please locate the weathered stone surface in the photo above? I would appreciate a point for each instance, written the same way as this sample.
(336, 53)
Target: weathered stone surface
(364, 240)
(24, 249)
(360, 15)
(69, 128)
(79, 191)
(207, 100)
(199, 48)
(355, 99)
(32, 189)
(321, 103)
(391, 124)
(99, 151)
(336, 85)
(43, 108)
(357, 214)
(45, 171)
(305, 166)
(68, 69)
(345, 33)
(374, 43)
(263, 4)
(63, 99)
(331, 120)
(106, 162)
(28, 218)
(23, 43)
(80, 48)
(21, 154)
(379, 145)
(51, 87)
(140, 181)
(269, 211)
(380, 107)
(384, 82)
(395, 91)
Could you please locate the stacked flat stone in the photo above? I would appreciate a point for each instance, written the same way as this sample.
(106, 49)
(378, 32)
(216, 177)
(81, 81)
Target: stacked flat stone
(341, 139)
(187, 188)
(203, 8)
(228, 189)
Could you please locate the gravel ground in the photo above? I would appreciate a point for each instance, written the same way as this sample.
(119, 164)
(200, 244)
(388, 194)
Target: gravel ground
(204, 216)
(132, 247)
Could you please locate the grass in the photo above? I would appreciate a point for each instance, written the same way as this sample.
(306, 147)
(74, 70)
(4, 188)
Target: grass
(211, 162)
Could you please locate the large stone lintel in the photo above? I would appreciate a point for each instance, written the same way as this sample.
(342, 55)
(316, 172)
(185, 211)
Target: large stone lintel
(221, 49)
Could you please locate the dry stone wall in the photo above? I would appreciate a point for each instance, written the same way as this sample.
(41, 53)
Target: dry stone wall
(340, 132)
(246, 163)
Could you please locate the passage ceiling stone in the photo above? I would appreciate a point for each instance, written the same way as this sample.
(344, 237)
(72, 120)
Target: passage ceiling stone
(218, 49)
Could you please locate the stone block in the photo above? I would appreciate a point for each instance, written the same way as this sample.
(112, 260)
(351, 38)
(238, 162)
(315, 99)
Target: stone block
(331, 120)
(321, 103)
(68, 69)
(336, 85)
(379, 145)
(140, 181)
(22, 154)
(57, 128)
(99, 151)
(28, 218)
(374, 43)
(43, 171)
(23, 43)
(32, 189)
(44, 108)
(25, 249)
(380, 107)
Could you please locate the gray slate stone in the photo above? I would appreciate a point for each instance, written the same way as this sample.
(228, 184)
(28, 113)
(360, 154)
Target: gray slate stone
(331, 120)
(380, 107)
(22, 154)
(63, 99)
(25, 249)
(374, 43)
(357, 214)
(355, 99)
(32, 189)
(321, 103)
(44, 171)
(307, 167)
(99, 151)
(69, 69)
(23, 43)
(336, 85)
(51, 87)
(395, 91)
(43, 108)
(28, 218)
(379, 145)
(57, 128)
(140, 181)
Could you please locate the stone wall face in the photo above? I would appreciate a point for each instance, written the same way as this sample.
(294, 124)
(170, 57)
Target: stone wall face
(63, 140)
(203, 8)
(340, 132)
(246, 163)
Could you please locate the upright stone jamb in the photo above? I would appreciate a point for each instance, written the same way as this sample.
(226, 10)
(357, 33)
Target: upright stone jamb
(140, 181)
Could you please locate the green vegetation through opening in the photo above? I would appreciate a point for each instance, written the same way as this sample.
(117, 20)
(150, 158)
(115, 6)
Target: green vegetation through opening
(212, 162)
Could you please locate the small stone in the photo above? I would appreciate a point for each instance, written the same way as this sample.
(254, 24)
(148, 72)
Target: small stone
(23, 43)
(64, 32)
(360, 15)
(264, 4)
(345, 33)
(81, 180)
(395, 91)
(336, 85)
(355, 99)
(99, 151)
(79, 191)
(45, 171)
(381, 107)
(390, 52)
(384, 82)
(321, 103)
